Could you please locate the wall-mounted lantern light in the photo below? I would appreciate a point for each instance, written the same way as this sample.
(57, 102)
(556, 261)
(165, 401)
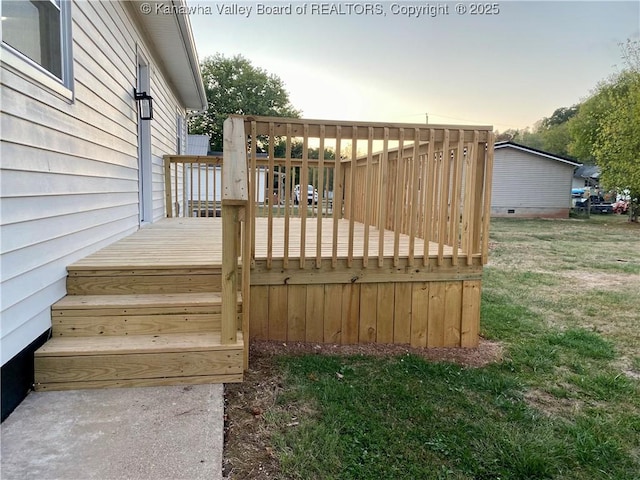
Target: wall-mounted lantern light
(145, 104)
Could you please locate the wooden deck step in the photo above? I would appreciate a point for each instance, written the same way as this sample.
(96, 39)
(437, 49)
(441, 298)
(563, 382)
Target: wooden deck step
(140, 301)
(161, 343)
(137, 360)
(137, 314)
(87, 279)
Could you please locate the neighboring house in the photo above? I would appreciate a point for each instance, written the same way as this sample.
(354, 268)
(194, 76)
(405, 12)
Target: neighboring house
(530, 183)
(198, 144)
(80, 169)
(586, 176)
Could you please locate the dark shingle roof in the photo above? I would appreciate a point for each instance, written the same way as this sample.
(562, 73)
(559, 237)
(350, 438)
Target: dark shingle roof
(535, 151)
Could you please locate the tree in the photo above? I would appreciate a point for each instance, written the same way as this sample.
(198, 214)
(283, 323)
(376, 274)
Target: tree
(531, 139)
(560, 116)
(550, 134)
(554, 130)
(607, 128)
(312, 153)
(235, 86)
(556, 139)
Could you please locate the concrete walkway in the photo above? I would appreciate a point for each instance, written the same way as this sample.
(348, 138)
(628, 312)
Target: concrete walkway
(134, 433)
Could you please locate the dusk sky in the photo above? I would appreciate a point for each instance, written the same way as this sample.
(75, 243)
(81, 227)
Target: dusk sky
(507, 69)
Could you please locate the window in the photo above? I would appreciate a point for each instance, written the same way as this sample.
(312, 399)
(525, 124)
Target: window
(40, 31)
(180, 135)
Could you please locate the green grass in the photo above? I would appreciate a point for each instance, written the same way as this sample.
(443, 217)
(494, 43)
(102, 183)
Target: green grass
(408, 418)
(562, 404)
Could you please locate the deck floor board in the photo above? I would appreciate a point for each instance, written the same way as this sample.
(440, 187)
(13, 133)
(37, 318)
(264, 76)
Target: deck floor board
(197, 242)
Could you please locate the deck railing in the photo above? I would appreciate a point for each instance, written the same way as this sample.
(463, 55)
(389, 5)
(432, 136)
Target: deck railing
(193, 185)
(437, 190)
(429, 182)
(199, 186)
(385, 198)
(426, 182)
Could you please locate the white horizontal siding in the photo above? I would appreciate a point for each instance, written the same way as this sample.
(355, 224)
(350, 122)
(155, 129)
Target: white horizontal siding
(69, 182)
(26, 209)
(19, 236)
(526, 180)
(19, 264)
(15, 340)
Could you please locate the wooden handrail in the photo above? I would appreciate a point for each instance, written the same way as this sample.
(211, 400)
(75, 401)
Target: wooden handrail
(210, 159)
(362, 129)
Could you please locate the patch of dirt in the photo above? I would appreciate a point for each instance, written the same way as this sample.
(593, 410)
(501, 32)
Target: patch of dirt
(486, 352)
(598, 280)
(632, 374)
(551, 405)
(248, 452)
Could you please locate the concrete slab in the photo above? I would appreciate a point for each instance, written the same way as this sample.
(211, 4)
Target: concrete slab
(135, 433)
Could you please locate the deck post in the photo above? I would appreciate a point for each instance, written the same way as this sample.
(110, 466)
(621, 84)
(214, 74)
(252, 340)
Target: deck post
(235, 195)
(230, 249)
(167, 186)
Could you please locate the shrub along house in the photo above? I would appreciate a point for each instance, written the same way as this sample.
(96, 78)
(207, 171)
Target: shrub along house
(530, 183)
(81, 167)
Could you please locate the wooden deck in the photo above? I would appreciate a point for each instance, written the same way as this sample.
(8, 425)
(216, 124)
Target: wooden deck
(176, 301)
(146, 310)
(196, 242)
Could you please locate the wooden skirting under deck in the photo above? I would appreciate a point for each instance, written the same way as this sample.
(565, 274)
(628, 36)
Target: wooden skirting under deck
(423, 314)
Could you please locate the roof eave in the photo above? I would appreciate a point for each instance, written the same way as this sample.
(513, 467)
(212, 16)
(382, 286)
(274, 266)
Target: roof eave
(535, 151)
(166, 25)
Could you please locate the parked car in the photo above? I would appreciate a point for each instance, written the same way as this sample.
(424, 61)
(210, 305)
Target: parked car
(598, 205)
(312, 194)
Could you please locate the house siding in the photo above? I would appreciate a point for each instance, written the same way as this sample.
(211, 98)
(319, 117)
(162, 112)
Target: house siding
(578, 182)
(69, 172)
(530, 185)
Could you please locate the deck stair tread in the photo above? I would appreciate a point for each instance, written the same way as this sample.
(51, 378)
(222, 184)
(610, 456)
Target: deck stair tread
(143, 263)
(136, 344)
(84, 302)
(140, 270)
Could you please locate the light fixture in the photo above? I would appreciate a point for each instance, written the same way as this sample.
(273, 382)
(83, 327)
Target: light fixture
(145, 104)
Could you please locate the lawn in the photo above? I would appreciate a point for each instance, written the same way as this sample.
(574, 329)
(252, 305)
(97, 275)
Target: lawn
(562, 401)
